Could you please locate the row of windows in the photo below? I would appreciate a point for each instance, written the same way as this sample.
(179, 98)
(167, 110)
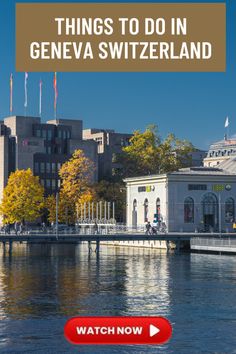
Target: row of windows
(99, 140)
(50, 183)
(221, 153)
(210, 207)
(157, 212)
(48, 134)
(55, 149)
(47, 167)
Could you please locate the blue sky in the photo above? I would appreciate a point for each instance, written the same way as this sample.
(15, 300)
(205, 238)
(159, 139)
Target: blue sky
(191, 105)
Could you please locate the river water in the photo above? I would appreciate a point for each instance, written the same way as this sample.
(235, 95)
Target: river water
(41, 286)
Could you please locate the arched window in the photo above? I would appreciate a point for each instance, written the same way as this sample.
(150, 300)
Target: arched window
(134, 213)
(229, 210)
(145, 210)
(158, 209)
(189, 210)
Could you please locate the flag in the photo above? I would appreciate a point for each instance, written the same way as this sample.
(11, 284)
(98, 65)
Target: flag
(26, 94)
(40, 97)
(55, 91)
(11, 92)
(227, 122)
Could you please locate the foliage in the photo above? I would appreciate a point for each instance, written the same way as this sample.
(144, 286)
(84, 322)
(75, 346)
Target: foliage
(112, 192)
(149, 154)
(23, 197)
(76, 175)
(67, 209)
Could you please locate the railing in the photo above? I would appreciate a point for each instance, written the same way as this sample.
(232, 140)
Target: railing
(214, 242)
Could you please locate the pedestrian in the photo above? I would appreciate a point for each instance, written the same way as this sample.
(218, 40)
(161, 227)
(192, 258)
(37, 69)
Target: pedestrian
(153, 230)
(148, 228)
(95, 228)
(21, 228)
(16, 226)
(43, 227)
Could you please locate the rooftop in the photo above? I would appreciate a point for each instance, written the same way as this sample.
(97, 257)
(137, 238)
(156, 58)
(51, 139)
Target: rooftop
(191, 171)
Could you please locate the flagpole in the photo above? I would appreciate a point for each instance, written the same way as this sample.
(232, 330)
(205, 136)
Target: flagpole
(26, 94)
(40, 98)
(55, 95)
(11, 94)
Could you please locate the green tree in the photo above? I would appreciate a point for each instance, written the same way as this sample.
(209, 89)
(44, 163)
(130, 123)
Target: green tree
(112, 192)
(23, 197)
(149, 154)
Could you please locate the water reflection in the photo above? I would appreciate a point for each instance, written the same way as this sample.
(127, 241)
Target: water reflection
(41, 286)
(49, 280)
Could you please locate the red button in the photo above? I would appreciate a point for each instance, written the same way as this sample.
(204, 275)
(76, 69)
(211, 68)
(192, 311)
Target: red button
(118, 330)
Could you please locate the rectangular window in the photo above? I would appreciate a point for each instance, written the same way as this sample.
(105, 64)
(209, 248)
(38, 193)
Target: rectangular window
(42, 182)
(197, 187)
(59, 183)
(36, 167)
(49, 135)
(59, 134)
(38, 133)
(48, 183)
(49, 150)
(64, 134)
(42, 167)
(48, 167)
(53, 167)
(58, 166)
(53, 184)
(44, 133)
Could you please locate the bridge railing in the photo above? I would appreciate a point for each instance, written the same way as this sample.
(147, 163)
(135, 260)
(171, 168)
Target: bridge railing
(83, 229)
(214, 242)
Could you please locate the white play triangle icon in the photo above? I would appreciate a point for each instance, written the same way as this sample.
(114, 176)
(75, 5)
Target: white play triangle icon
(153, 330)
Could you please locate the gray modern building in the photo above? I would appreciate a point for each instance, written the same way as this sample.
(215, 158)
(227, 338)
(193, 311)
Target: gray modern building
(110, 144)
(25, 142)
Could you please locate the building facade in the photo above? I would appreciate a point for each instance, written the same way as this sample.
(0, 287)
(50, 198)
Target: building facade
(25, 142)
(220, 151)
(110, 145)
(189, 200)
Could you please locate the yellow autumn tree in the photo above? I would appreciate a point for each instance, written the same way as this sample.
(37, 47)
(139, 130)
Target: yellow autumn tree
(66, 209)
(23, 197)
(76, 177)
(85, 200)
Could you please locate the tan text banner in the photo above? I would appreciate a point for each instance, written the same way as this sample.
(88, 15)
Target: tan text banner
(121, 37)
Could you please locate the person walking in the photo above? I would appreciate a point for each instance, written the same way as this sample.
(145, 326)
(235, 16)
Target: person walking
(148, 228)
(16, 228)
(21, 228)
(95, 228)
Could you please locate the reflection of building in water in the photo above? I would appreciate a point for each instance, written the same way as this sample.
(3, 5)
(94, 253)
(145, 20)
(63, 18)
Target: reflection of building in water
(48, 280)
(38, 280)
(147, 282)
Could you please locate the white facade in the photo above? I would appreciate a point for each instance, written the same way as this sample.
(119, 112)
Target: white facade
(190, 199)
(220, 151)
